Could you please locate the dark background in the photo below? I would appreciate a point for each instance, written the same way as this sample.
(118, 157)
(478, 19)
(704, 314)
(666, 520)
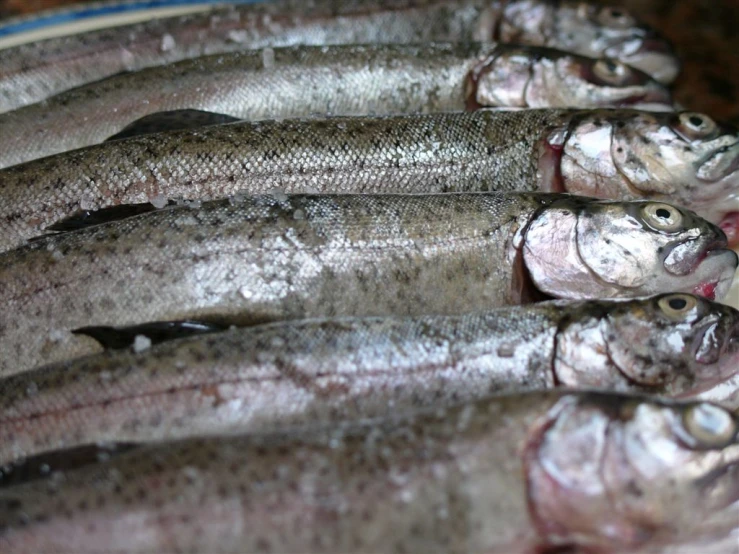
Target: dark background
(705, 33)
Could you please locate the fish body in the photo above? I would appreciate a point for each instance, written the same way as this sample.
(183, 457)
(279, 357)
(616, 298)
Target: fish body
(338, 80)
(32, 72)
(293, 373)
(514, 474)
(274, 257)
(604, 153)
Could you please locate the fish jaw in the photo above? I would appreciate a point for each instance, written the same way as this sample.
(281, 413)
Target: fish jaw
(628, 87)
(715, 274)
(654, 57)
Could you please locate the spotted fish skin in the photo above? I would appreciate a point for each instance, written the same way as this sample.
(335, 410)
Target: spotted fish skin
(436, 153)
(285, 374)
(253, 259)
(32, 72)
(497, 475)
(261, 259)
(338, 80)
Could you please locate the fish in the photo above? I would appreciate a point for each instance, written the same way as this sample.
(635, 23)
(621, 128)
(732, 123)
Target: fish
(172, 120)
(539, 472)
(253, 259)
(529, 150)
(340, 80)
(281, 375)
(32, 72)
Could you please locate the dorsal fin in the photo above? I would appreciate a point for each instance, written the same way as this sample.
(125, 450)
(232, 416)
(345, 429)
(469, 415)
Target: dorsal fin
(87, 218)
(116, 338)
(175, 120)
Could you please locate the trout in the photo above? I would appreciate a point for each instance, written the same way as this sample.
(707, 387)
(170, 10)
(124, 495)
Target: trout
(539, 472)
(248, 260)
(684, 158)
(285, 374)
(32, 72)
(338, 80)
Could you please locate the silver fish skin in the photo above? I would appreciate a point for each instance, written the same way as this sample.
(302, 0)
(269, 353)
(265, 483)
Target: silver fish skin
(528, 150)
(274, 257)
(32, 72)
(514, 474)
(282, 375)
(339, 80)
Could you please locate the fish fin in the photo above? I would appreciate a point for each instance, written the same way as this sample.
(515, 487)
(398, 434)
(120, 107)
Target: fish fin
(40, 465)
(175, 120)
(88, 218)
(116, 338)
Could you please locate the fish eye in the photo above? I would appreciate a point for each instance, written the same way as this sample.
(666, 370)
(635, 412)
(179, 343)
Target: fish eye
(662, 217)
(709, 426)
(696, 125)
(611, 71)
(615, 17)
(676, 306)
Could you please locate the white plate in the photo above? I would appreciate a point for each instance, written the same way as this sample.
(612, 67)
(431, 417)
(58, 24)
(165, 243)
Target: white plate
(98, 15)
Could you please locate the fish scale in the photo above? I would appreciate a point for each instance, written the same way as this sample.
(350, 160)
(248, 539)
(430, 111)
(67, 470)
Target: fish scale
(504, 474)
(601, 153)
(338, 80)
(31, 72)
(286, 374)
(440, 153)
(254, 259)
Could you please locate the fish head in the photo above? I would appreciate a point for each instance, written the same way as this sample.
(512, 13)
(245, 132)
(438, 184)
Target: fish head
(617, 472)
(681, 343)
(686, 158)
(588, 30)
(535, 77)
(582, 248)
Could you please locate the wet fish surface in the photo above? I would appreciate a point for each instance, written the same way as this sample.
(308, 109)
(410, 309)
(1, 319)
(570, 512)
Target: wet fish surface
(332, 370)
(338, 80)
(264, 258)
(524, 473)
(32, 72)
(685, 158)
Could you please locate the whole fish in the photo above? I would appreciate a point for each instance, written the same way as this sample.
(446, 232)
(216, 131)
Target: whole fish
(255, 259)
(32, 72)
(602, 153)
(587, 471)
(330, 370)
(338, 80)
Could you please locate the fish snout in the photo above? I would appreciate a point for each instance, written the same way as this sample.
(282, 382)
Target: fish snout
(654, 55)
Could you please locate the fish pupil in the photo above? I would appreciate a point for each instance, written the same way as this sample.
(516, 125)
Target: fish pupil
(663, 213)
(678, 303)
(696, 121)
(616, 14)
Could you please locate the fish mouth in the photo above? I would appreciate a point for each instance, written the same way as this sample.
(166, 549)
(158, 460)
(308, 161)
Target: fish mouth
(716, 270)
(652, 101)
(717, 345)
(729, 224)
(720, 164)
(725, 476)
(654, 56)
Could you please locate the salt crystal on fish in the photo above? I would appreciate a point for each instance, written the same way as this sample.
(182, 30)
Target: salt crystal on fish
(168, 43)
(141, 343)
(158, 201)
(268, 58)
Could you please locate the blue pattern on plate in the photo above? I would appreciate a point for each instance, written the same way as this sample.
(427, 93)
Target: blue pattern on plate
(56, 17)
